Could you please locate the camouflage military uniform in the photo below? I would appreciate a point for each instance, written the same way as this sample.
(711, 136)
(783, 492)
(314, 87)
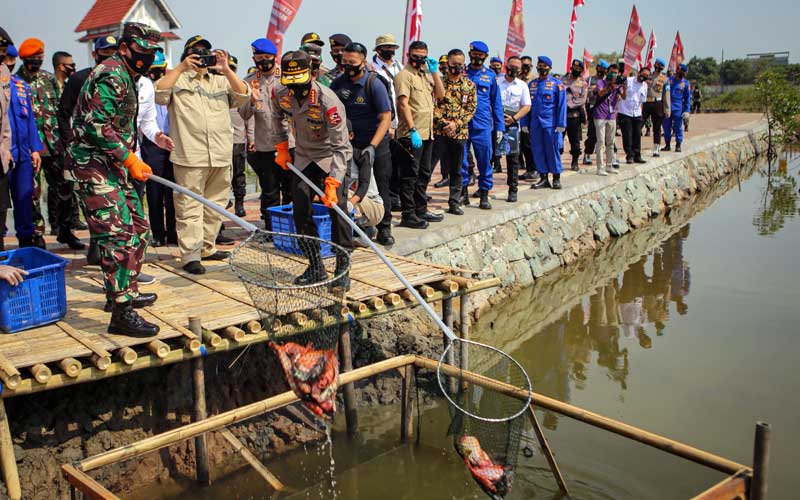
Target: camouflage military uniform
(105, 135)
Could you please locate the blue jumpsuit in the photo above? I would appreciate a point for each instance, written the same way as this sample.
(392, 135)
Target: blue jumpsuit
(548, 112)
(680, 93)
(24, 140)
(488, 118)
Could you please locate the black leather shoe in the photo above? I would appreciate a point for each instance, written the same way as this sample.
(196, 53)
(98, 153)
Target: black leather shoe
(223, 240)
(512, 197)
(464, 198)
(442, 183)
(312, 274)
(556, 181)
(666, 147)
(543, 183)
(640, 160)
(476, 194)
(172, 239)
(432, 217)
(575, 167)
(25, 241)
(455, 210)
(157, 242)
(93, 255)
(143, 300)
(125, 321)
(414, 223)
(194, 267)
(396, 206)
(678, 148)
(218, 255)
(38, 241)
(529, 176)
(484, 204)
(497, 169)
(385, 237)
(239, 208)
(66, 237)
(78, 225)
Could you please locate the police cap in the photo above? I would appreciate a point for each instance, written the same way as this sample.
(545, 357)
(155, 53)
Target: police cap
(196, 40)
(496, 60)
(313, 50)
(5, 39)
(479, 46)
(340, 40)
(264, 46)
(602, 63)
(12, 51)
(662, 62)
(545, 60)
(105, 42)
(233, 63)
(312, 38)
(295, 68)
(684, 68)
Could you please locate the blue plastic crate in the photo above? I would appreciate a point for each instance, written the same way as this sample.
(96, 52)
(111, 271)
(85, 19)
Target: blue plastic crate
(41, 298)
(282, 218)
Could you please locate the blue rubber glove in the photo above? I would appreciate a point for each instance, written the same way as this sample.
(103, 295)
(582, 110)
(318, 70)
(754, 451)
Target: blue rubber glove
(416, 140)
(433, 65)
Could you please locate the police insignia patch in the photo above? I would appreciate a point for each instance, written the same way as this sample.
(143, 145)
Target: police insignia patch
(333, 116)
(285, 102)
(315, 112)
(360, 100)
(259, 105)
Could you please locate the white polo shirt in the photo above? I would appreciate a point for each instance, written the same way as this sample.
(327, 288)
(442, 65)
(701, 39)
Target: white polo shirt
(515, 94)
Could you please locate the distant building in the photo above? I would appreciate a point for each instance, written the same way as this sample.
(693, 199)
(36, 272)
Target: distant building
(770, 58)
(106, 17)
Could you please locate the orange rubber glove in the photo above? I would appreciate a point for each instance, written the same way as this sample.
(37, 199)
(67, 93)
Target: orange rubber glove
(282, 156)
(330, 199)
(138, 169)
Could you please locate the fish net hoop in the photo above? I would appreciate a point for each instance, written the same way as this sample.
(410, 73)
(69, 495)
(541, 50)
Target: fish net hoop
(463, 355)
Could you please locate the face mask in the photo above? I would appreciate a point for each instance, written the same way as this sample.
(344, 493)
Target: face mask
(300, 90)
(642, 78)
(543, 71)
(69, 70)
(265, 65)
(576, 73)
(337, 58)
(386, 54)
(156, 74)
(679, 74)
(512, 72)
(140, 63)
(497, 71)
(526, 68)
(612, 76)
(417, 61)
(100, 58)
(477, 60)
(659, 69)
(455, 69)
(10, 67)
(352, 70)
(32, 65)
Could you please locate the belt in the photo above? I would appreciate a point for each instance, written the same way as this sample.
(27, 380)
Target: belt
(653, 99)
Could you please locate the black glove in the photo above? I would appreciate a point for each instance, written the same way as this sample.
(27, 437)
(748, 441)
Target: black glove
(368, 154)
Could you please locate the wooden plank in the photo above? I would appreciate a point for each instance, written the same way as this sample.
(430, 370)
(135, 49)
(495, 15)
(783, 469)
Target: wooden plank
(206, 285)
(242, 450)
(732, 487)
(82, 339)
(86, 485)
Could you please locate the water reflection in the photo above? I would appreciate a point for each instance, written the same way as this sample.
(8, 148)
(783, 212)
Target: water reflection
(778, 201)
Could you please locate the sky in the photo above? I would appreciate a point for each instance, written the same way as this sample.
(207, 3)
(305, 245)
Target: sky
(707, 26)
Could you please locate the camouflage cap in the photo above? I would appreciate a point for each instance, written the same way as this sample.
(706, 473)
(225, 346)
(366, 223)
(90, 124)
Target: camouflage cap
(142, 35)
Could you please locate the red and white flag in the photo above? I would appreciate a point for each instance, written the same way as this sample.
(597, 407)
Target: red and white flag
(634, 42)
(515, 41)
(572, 23)
(283, 12)
(676, 58)
(413, 30)
(651, 50)
(587, 62)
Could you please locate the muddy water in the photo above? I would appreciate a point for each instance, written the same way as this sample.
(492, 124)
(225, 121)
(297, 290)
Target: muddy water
(687, 328)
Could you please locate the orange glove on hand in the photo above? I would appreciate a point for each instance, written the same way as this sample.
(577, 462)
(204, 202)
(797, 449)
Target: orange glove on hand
(138, 169)
(282, 156)
(330, 199)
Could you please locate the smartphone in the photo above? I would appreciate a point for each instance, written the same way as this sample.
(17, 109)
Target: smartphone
(207, 60)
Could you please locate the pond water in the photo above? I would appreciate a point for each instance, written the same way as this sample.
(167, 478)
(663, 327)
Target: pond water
(687, 328)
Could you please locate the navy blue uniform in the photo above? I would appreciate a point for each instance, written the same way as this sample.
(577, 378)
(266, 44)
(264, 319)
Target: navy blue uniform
(548, 112)
(680, 94)
(488, 118)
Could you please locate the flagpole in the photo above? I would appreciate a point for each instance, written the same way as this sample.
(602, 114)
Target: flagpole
(405, 32)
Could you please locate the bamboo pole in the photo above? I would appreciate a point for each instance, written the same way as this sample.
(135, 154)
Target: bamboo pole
(192, 344)
(9, 373)
(70, 366)
(254, 462)
(548, 453)
(407, 405)
(758, 486)
(234, 333)
(100, 362)
(407, 296)
(731, 488)
(127, 355)
(200, 411)
(426, 291)
(463, 331)
(227, 418)
(86, 485)
(7, 459)
(349, 391)
(447, 286)
(377, 303)
(447, 317)
(159, 348)
(393, 300)
(253, 327)
(41, 373)
(298, 319)
(211, 338)
(359, 307)
(320, 315)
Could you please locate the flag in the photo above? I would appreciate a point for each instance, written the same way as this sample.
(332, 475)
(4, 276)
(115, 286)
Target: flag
(676, 58)
(587, 62)
(651, 50)
(634, 42)
(283, 12)
(515, 41)
(573, 22)
(413, 30)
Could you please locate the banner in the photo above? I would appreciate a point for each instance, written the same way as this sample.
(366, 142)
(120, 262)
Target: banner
(587, 62)
(572, 23)
(634, 42)
(515, 41)
(676, 58)
(651, 50)
(413, 30)
(283, 12)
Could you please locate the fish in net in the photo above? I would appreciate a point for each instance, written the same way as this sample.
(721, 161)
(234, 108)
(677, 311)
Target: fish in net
(299, 298)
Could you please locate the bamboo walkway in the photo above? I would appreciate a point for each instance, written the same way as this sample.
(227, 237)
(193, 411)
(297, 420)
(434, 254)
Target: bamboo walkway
(78, 348)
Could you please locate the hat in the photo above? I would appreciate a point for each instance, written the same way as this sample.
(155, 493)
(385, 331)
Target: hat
(340, 40)
(105, 42)
(295, 68)
(661, 62)
(386, 40)
(602, 63)
(233, 62)
(496, 60)
(545, 60)
(577, 61)
(443, 59)
(31, 47)
(12, 51)
(142, 35)
(479, 47)
(196, 40)
(4, 38)
(159, 62)
(313, 50)
(251, 70)
(312, 38)
(684, 68)
(264, 46)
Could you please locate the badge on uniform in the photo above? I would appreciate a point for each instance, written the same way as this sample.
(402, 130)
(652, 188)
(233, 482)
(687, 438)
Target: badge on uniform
(285, 102)
(259, 105)
(314, 112)
(333, 116)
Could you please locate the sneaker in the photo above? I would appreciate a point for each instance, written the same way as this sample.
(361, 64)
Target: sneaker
(602, 172)
(611, 170)
(146, 279)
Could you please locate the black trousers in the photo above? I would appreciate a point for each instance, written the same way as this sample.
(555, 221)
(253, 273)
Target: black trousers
(436, 157)
(591, 135)
(414, 179)
(575, 135)
(160, 206)
(512, 164)
(382, 170)
(526, 152)
(238, 180)
(452, 157)
(276, 183)
(655, 112)
(62, 203)
(696, 105)
(341, 233)
(631, 127)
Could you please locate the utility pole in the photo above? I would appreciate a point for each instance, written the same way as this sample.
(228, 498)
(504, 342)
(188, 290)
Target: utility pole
(721, 78)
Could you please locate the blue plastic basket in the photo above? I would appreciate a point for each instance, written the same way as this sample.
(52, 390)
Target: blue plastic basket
(282, 218)
(41, 298)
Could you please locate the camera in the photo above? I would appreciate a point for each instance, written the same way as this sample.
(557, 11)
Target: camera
(621, 80)
(207, 60)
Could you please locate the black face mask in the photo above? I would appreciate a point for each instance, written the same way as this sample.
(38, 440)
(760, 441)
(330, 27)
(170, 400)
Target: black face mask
(497, 71)
(140, 63)
(300, 90)
(659, 69)
(352, 70)
(100, 58)
(512, 72)
(543, 71)
(337, 58)
(455, 69)
(417, 61)
(642, 78)
(477, 60)
(679, 75)
(576, 73)
(265, 65)
(69, 70)
(386, 54)
(156, 74)
(32, 65)
(526, 68)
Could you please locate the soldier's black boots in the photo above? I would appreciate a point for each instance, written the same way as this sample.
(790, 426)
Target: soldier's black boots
(239, 208)
(556, 181)
(315, 272)
(93, 255)
(125, 321)
(485, 205)
(464, 198)
(143, 300)
(66, 237)
(544, 182)
(342, 270)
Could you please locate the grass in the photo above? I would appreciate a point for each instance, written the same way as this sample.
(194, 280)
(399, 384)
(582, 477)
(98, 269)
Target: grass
(741, 100)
